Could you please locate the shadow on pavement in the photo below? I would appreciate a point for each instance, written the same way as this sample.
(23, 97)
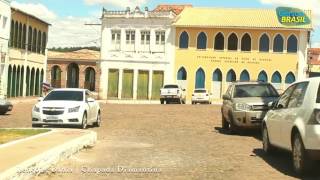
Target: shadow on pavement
(68, 127)
(281, 161)
(248, 132)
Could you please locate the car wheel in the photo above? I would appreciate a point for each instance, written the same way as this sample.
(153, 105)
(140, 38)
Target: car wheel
(233, 127)
(84, 121)
(225, 124)
(98, 121)
(162, 101)
(267, 147)
(301, 162)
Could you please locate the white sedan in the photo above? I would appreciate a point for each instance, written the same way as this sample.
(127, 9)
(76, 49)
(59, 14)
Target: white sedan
(201, 96)
(293, 124)
(67, 107)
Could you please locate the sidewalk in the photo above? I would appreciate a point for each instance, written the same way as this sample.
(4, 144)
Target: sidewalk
(41, 151)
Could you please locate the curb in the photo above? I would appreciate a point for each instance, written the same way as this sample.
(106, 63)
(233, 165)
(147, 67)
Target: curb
(42, 162)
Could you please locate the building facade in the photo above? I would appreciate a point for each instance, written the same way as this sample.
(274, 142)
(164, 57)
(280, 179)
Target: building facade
(314, 62)
(27, 55)
(215, 47)
(5, 17)
(77, 69)
(137, 53)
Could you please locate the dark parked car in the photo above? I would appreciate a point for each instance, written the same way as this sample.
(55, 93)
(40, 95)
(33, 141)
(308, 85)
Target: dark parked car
(5, 106)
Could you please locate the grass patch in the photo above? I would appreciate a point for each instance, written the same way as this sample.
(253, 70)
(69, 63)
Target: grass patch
(7, 135)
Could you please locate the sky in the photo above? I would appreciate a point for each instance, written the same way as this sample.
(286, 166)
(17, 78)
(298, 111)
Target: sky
(68, 17)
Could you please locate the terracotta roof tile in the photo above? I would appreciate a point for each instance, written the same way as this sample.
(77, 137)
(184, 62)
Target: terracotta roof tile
(176, 8)
(314, 50)
(83, 54)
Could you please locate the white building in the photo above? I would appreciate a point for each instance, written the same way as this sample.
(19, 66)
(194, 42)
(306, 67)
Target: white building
(137, 53)
(5, 18)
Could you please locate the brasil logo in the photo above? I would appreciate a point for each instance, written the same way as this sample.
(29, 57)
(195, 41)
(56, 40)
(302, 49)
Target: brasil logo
(292, 16)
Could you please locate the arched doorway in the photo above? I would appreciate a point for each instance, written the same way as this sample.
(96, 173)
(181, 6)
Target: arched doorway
(263, 77)
(73, 76)
(231, 77)
(14, 80)
(244, 76)
(290, 78)
(17, 82)
(90, 78)
(56, 77)
(216, 83)
(182, 77)
(37, 83)
(200, 79)
(28, 81)
(41, 81)
(21, 81)
(276, 80)
(32, 82)
(9, 81)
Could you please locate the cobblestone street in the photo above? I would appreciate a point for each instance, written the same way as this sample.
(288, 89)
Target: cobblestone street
(177, 141)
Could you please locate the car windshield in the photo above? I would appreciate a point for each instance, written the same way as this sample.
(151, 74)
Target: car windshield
(64, 96)
(170, 86)
(255, 90)
(200, 91)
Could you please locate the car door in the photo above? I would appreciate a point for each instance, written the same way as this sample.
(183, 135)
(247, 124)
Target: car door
(293, 111)
(275, 116)
(227, 105)
(90, 107)
(95, 107)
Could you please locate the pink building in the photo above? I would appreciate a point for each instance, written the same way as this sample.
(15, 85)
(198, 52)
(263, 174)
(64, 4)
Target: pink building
(314, 62)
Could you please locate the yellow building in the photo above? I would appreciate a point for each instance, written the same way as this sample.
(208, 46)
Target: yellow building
(216, 46)
(26, 69)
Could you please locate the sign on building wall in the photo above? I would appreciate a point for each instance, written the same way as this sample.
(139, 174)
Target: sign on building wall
(292, 16)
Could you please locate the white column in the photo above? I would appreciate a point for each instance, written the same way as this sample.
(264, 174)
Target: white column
(135, 83)
(150, 85)
(152, 40)
(302, 55)
(120, 83)
(123, 40)
(137, 47)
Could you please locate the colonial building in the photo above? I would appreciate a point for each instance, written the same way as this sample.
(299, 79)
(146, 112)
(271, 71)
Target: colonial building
(5, 16)
(314, 62)
(137, 52)
(27, 54)
(77, 69)
(216, 46)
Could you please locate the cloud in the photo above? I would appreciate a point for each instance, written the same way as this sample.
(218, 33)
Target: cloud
(117, 3)
(72, 31)
(316, 44)
(65, 31)
(37, 10)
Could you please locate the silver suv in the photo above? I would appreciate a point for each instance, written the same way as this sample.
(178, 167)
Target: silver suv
(246, 103)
